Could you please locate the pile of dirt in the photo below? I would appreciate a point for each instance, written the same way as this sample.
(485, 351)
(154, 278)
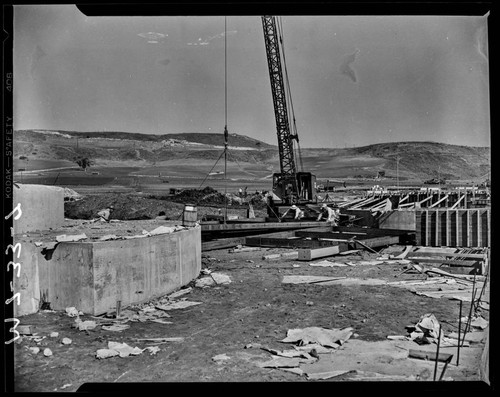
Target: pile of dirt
(211, 197)
(205, 196)
(126, 207)
(139, 206)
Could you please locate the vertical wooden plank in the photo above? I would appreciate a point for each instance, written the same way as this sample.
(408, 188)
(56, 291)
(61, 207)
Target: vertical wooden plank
(479, 229)
(488, 228)
(418, 226)
(436, 237)
(448, 226)
(467, 216)
(457, 223)
(427, 228)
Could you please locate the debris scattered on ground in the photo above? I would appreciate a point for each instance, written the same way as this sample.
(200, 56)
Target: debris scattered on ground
(479, 322)
(350, 252)
(365, 375)
(180, 293)
(289, 353)
(327, 263)
(34, 350)
(365, 263)
(440, 287)
(287, 255)
(72, 311)
(220, 358)
(106, 353)
(178, 305)
(116, 327)
(85, 325)
(213, 279)
(308, 279)
(160, 321)
(426, 331)
(47, 352)
(244, 249)
(161, 340)
(24, 329)
(66, 341)
(152, 349)
(325, 375)
(324, 280)
(252, 345)
(165, 230)
(116, 348)
(108, 237)
(54, 334)
(64, 238)
(323, 336)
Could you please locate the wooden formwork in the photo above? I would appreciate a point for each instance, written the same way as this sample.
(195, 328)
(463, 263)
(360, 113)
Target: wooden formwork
(453, 227)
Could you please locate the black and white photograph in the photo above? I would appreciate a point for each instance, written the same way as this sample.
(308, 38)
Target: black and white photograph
(256, 197)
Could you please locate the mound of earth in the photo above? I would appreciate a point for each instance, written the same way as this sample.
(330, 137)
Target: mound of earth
(139, 206)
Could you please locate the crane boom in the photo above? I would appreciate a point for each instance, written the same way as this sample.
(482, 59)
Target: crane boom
(289, 186)
(285, 138)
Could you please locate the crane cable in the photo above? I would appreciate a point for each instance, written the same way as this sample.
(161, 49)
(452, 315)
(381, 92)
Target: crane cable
(289, 95)
(225, 119)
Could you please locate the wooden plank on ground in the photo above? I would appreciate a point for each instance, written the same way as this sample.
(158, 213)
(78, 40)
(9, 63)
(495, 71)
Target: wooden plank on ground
(447, 254)
(310, 254)
(287, 242)
(377, 241)
(262, 226)
(443, 261)
(371, 230)
(330, 235)
(246, 220)
(430, 355)
(222, 243)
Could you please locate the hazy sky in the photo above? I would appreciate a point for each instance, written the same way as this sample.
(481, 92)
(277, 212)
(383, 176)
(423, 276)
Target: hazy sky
(355, 80)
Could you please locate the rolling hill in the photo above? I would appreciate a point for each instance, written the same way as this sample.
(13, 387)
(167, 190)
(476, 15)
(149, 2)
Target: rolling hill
(417, 160)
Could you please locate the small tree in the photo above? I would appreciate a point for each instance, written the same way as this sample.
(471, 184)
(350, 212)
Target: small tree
(83, 162)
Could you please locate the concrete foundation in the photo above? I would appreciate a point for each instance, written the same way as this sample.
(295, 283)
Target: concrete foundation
(93, 276)
(397, 219)
(42, 207)
(454, 228)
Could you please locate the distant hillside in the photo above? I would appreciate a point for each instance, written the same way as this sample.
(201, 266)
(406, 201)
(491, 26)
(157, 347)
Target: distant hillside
(417, 160)
(234, 140)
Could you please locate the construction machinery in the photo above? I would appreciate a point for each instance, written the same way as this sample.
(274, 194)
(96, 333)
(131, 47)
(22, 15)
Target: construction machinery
(290, 186)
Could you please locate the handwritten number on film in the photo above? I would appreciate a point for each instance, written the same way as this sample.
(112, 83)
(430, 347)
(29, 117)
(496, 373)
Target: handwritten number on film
(16, 249)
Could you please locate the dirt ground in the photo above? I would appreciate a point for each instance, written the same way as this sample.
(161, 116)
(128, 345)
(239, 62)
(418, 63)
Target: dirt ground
(254, 310)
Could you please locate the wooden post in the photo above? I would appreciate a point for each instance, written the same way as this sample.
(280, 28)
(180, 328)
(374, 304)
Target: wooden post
(436, 241)
(457, 218)
(467, 213)
(427, 228)
(448, 227)
(488, 227)
(479, 240)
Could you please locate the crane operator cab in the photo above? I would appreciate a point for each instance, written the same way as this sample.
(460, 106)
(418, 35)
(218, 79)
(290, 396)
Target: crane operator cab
(297, 189)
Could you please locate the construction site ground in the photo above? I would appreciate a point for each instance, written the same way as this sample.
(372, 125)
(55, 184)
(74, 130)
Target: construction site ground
(237, 319)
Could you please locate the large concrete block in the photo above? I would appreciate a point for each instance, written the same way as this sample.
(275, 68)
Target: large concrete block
(93, 276)
(398, 219)
(28, 282)
(42, 207)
